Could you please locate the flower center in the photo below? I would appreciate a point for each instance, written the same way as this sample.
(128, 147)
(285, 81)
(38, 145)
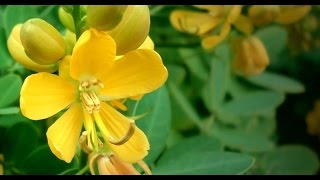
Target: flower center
(88, 94)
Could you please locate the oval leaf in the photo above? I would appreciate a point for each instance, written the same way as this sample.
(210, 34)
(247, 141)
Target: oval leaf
(290, 160)
(277, 82)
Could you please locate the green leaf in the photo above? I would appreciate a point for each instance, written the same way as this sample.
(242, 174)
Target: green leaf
(9, 110)
(10, 86)
(194, 62)
(242, 140)
(17, 14)
(7, 121)
(277, 82)
(254, 103)
(271, 34)
(177, 73)
(181, 100)
(215, 91)
(193, 145)
(208, 162)
(156, 123)
(264, 126)
(5, 58)
(290, 160)
(42, 161)
(20, 140)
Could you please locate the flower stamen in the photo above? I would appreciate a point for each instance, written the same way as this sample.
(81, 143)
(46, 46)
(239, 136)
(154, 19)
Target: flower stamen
(126, 137)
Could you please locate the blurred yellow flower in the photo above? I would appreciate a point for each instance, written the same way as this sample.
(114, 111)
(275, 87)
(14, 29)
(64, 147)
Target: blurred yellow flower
(251, 57)
(292, 13)
(87, 81)
(204, 24)
(313, 119)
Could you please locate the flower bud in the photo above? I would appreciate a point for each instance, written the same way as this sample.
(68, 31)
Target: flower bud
(251, 57)
(105, 17)
(67, 8)
(133, 29)
(17, 51)
(66, 19)
(42, 42)
(262, 15)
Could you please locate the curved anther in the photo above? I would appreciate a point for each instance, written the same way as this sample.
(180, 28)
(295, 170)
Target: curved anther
(83, 143)
(126, 137)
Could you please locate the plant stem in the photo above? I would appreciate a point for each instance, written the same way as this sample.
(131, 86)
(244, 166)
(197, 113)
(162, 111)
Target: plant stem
(83, 170)
(76, 19)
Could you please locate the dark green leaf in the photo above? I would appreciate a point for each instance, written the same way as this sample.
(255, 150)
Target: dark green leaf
(10, 86)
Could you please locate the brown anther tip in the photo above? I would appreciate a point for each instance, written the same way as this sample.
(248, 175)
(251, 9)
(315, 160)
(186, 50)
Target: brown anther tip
(126, 137)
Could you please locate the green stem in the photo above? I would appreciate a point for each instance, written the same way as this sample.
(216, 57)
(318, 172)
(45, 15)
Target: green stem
(156, 9)
(83, 170)
(135, 108)
(77, 20)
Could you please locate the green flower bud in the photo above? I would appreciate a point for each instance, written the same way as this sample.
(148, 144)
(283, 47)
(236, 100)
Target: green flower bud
(66, 19)
(42, 42)
(133, 29)
(106, 17)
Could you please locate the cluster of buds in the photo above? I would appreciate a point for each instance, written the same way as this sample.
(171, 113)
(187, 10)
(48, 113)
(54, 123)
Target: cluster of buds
(214, 25)
(39, 46)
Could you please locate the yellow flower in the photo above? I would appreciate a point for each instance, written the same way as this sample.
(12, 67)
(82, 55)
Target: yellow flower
(95, 78)
(292, 13)
(205, 23)
(263, 14)
(112, 165)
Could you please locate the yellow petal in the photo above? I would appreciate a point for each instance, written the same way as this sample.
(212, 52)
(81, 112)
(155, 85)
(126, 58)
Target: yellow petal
(244, 25)
(292, 14)
(93, 55)
(211, 42)
(16, 50)
(136, 148)
(44, 94)
(137, 72)
(193, 22)
(63, 135)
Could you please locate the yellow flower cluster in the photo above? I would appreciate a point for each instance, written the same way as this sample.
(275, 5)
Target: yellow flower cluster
(113, 59)
(213, 23)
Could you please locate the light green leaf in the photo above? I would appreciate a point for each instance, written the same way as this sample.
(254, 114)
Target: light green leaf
(254, 103)
(290, 160)
(277, 82)
(274, 39)
(9, 110)
(156, 123)
(213, 94)
(5, 58)
(244, 141)
(10, 86)
(208, 162)
(9, 120)
(264, 126)
(194, 62)
(43, 162)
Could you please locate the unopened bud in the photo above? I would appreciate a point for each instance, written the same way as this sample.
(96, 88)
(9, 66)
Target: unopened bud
(133, 29)
(67, 8)
(105, 17)
(17, 51)
(42, 42)
(262, 15)
(66, 19)
(251, 57)
(292, 13)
